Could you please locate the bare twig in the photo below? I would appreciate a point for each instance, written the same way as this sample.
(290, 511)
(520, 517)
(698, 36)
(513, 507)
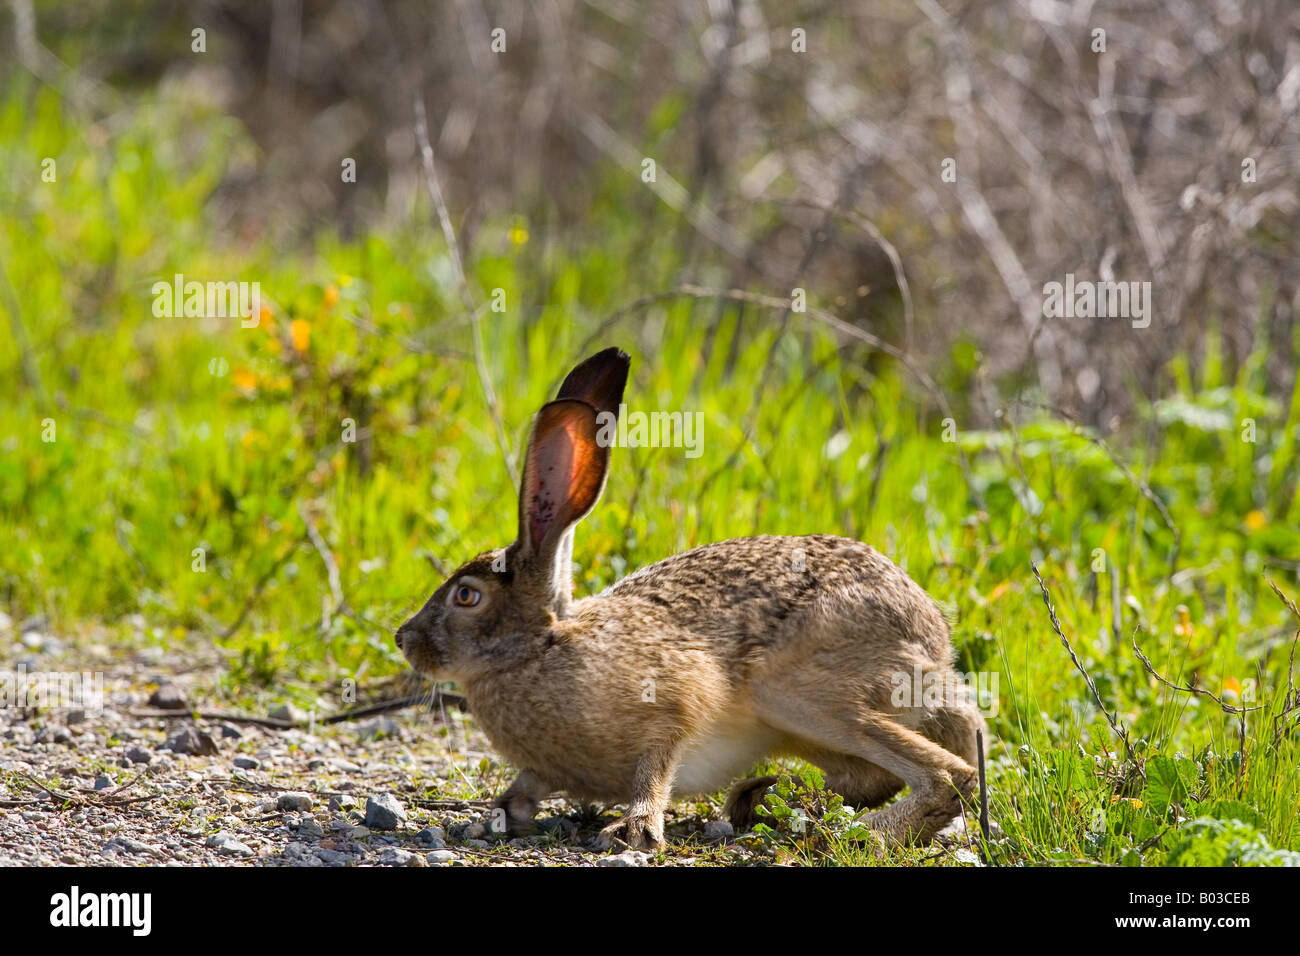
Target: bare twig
(331, 568)
(279, 723)
(467, 296)
(1115, 725)
(984, 796)
(1188, 689)
(1290, 700)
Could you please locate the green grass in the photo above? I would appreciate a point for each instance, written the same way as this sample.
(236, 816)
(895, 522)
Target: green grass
(155, 456)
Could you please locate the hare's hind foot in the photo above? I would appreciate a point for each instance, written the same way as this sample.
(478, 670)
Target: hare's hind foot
(744, 799)
(926, 811)
(940, 781)
(636, 829)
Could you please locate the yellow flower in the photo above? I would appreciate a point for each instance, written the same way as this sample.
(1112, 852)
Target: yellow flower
(245, 379)
(518, 235)
(254, 439)
(345, 281)
(1256, 520)
(331, 295)
(300, 333)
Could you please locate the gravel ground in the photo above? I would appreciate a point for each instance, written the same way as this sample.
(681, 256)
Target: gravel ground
(120, 788)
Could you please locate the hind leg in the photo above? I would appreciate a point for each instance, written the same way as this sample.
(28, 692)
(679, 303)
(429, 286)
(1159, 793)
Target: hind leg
(939, 780)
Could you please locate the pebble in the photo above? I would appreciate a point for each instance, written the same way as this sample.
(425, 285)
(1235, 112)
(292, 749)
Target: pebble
(378, 727)
(440, 857)
(187, 740)
(138, 755)
(247, 763)
(310, 828)
(383, 812)
(287, 712)
(626, 858)
(294, 800)
(719, 831)
(168, 697)
(432, 835)
(226, 844)
(103, 782)
(395, 857)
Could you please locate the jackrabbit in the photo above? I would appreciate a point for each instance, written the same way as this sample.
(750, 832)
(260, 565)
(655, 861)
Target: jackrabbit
(683, 675)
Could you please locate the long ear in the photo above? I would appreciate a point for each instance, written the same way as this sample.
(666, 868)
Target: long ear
(564, 474)
(599, 381)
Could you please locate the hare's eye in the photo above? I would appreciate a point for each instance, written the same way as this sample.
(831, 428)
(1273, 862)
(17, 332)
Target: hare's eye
(466, 596)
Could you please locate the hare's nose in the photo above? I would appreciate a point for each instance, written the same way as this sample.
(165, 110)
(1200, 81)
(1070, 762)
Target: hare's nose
(398, 637)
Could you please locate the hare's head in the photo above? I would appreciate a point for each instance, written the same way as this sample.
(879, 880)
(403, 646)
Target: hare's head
(497, 608)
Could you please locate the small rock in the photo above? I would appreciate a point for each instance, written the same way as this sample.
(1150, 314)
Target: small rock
(188, 740)
(384, 812)
(227, 845)
(75, 716)
(287, 712)
(626, 858)
(247, 763)
(434, 836)
(719, 831)
(395, 857)
(475, 831)
(478, 844)
(440, 857)
(377, 727)
(138, 755)
(169, 697)
(294, 800)
(310, 828)
(230, 732)
(128, 845)
(341, 803)
(344, 766)
(332, 856)
(103, 782)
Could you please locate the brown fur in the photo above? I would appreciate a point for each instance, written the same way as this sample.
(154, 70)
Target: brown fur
(681, 676)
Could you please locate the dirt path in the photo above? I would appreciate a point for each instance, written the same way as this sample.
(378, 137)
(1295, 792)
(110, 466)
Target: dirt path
(79, 787)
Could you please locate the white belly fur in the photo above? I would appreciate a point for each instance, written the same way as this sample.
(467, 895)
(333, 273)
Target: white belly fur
(722, 755)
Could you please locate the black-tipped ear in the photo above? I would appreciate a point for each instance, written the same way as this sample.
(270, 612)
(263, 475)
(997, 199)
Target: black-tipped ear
(564, 474)
(599, 381)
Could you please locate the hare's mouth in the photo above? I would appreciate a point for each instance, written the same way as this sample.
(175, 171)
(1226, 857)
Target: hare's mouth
(417, 650)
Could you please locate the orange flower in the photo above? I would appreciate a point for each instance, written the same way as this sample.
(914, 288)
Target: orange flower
(300, 333)
(331, 295)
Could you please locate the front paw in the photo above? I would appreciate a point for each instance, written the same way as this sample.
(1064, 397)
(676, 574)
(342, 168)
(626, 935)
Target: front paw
(636, 829)
(513, 817)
